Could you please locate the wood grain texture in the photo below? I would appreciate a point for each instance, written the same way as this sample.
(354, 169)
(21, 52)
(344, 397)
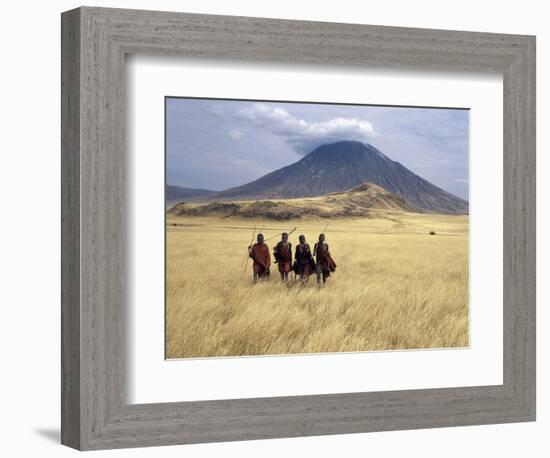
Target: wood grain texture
(70, 229)
(95, 411)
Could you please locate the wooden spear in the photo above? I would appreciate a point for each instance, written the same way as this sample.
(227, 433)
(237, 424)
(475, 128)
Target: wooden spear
(245, 260)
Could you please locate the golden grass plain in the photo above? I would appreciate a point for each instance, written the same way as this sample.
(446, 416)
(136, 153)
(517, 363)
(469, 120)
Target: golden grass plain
(396, 287)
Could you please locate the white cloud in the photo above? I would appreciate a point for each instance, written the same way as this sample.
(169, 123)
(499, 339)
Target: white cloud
(235, 134)
(303, 135)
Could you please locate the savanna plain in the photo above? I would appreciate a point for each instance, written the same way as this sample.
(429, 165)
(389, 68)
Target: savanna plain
(396, 287)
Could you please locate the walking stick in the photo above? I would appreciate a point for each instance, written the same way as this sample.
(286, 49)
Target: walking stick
(277, 235)
(245, 260)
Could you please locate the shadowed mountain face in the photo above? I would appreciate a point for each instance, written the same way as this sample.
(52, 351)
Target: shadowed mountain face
(175, 193)
(342, 166)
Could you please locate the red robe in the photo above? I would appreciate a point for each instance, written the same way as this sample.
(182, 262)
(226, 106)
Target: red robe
(283, 255)
(324, 259)
(303, 261)
(261, 257)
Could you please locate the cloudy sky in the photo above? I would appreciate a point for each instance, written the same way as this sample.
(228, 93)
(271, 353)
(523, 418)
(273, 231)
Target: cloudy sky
(217, 144)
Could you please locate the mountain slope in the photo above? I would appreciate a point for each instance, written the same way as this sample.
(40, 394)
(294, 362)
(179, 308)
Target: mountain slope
(175, 193)
(342, 166)
(357, 202)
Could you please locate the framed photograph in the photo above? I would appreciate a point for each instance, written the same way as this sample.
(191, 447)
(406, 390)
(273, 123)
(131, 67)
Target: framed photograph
(324, 182)
(279, 228)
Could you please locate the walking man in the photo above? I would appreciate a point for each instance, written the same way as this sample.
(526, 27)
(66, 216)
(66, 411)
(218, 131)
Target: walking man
(324, 264)
(283, 256)
(259, 252)
(303, 260)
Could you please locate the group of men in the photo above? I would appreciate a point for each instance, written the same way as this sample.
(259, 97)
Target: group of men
(305, 262)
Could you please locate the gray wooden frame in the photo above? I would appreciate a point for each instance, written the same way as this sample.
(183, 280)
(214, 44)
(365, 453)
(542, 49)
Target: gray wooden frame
(95, 413)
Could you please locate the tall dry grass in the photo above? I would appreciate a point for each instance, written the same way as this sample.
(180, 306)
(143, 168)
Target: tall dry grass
(396, 287)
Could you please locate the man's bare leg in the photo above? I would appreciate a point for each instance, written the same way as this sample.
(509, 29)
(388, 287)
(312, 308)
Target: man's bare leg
(318, 274)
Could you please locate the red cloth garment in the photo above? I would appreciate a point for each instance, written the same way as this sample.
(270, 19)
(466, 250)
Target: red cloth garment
(303, 260)
(324, 259)
(283, 255)
(261, 257)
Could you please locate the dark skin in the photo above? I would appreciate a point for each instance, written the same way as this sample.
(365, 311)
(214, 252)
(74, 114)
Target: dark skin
(284, 275)
(260, 240)
(321, 238)
(320, 242)
(304, 278)
(321, 274)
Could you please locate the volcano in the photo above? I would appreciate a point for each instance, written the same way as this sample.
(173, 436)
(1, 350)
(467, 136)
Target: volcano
(341, 166)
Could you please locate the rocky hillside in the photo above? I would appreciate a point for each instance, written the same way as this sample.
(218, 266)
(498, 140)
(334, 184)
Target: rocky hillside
(357, 202)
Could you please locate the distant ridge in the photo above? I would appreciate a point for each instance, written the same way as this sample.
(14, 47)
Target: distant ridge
(176, 193)
(341, 166)
(357, 202)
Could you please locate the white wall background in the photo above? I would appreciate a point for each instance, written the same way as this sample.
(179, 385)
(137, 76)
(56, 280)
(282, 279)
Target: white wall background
(30, 228)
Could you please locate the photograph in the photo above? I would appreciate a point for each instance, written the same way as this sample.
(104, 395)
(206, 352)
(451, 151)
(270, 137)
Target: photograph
(301, 227)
